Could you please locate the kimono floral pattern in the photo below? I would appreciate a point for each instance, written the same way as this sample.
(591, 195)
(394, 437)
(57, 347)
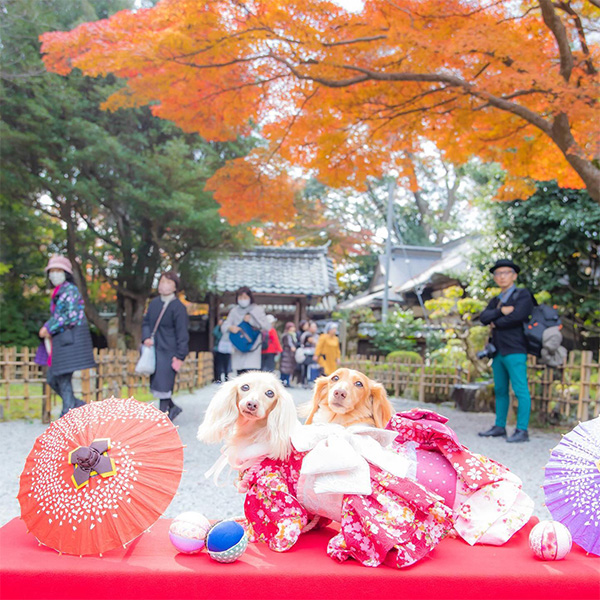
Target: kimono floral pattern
(399, 522)
(490, 505)
(67, 308)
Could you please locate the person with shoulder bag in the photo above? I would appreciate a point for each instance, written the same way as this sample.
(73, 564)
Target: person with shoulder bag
(165, 327)
(506, 314)
(67, 329)
(244, 324)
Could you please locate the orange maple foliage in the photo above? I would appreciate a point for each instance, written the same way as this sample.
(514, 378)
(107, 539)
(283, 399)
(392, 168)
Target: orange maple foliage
(348, 95)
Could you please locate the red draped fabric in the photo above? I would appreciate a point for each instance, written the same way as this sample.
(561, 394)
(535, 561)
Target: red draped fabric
(151, 568)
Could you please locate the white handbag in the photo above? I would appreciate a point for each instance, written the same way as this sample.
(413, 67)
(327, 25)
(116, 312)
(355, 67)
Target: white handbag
(146, 364)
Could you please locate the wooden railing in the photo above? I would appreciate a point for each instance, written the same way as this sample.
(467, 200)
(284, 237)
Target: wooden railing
(410, 377)
(569, 393)
(24, 392)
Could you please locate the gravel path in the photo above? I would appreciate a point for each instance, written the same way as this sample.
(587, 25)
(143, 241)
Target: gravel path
(199, 494)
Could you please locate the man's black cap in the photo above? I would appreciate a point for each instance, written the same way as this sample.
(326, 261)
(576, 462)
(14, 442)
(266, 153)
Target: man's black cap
(505, 262)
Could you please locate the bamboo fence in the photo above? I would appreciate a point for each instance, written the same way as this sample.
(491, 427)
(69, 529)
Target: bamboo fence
(23, 382)
(568, 393)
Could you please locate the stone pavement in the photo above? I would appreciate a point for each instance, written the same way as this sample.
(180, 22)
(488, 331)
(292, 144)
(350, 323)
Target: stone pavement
(199, 494)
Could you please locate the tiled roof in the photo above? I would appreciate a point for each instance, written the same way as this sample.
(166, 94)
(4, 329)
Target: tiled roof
(274, 270)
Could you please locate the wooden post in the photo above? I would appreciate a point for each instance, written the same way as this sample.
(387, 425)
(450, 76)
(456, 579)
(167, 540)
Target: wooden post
(25, 368)
(85, 386)
(422, 383)
(583, 404)
(100, 376)
(47, 404)
(396, 375)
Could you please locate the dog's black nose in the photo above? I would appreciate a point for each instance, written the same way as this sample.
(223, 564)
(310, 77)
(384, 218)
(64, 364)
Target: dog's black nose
(339, 394)
(251, 406)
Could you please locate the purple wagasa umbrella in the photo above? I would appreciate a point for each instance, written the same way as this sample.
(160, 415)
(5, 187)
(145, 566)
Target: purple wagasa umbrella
(572, 484)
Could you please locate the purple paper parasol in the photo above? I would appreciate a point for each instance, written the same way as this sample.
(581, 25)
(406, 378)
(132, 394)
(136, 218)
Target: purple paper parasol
(572, 484)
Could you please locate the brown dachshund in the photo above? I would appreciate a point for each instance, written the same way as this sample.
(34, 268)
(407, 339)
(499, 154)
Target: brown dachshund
(349, 397)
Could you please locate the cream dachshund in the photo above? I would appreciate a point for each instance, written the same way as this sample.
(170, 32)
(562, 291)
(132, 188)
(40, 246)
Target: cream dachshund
(254, 416)
(348, 397)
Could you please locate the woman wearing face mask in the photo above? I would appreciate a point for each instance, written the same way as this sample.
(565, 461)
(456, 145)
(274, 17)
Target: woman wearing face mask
(170, 340)
(246, 310)
(67, 328)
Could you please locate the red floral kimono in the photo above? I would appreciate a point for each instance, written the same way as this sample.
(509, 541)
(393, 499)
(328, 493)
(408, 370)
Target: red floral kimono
(399, 521)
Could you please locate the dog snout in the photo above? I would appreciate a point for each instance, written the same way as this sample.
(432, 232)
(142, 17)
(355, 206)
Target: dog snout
(339, 394)
(251, 405)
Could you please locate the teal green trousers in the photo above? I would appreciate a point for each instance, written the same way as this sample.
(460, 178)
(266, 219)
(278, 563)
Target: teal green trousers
(511, 368)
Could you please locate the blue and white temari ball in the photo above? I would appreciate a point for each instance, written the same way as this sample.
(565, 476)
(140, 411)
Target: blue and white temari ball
(188, 532)
(226, 541)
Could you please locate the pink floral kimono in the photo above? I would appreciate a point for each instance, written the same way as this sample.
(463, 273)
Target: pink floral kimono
(488, 503)
(399, 517)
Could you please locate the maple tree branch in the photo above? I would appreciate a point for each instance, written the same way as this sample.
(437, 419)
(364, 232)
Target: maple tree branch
(480, 72)
(227, 38)
(596, 3)
(566, 7)
(402, 113)
(452, 80)
(395, 107)
(516, 95)
(447, 15)
(354, 41)
(95, 231)
(234, 61)
(504, 136)
(556, 26)
(293, 120)
(516, 17)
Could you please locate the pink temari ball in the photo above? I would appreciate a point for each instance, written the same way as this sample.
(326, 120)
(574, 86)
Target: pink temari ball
(550, 540)
(188, 532)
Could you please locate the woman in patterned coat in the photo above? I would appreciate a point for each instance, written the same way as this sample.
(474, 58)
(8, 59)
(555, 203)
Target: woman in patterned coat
(68, 330)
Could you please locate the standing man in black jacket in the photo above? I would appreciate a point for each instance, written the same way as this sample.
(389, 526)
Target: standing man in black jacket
(505, 314)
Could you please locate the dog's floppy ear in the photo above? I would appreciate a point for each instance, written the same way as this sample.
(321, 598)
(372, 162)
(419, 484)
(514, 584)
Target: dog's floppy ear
(281, 423)
(221, 414)
(382, 407)
(319, 393)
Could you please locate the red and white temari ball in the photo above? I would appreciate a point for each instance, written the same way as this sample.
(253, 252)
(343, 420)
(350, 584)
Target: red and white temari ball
(550, 540)
(188, 532)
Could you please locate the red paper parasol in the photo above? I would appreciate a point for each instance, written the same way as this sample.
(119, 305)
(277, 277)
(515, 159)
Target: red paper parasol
(100, 476)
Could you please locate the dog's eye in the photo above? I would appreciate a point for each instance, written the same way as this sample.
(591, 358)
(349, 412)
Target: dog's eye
(245, 387)
(335, 378)
(358, 384)
(269, 393)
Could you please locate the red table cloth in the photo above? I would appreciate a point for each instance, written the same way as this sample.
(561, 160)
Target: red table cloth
(150, 567)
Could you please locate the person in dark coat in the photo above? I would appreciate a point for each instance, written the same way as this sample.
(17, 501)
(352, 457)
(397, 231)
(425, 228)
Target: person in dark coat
(506, 314)
(221, 352)
(289, 345)
(68, 330)
(170, 340)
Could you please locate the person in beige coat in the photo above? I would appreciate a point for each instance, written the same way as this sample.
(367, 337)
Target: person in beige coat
(245, 309)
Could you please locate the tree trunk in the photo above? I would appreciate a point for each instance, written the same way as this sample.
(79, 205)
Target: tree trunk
(563, 138)
(478, 365)
(133, 309)
(91, 312)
